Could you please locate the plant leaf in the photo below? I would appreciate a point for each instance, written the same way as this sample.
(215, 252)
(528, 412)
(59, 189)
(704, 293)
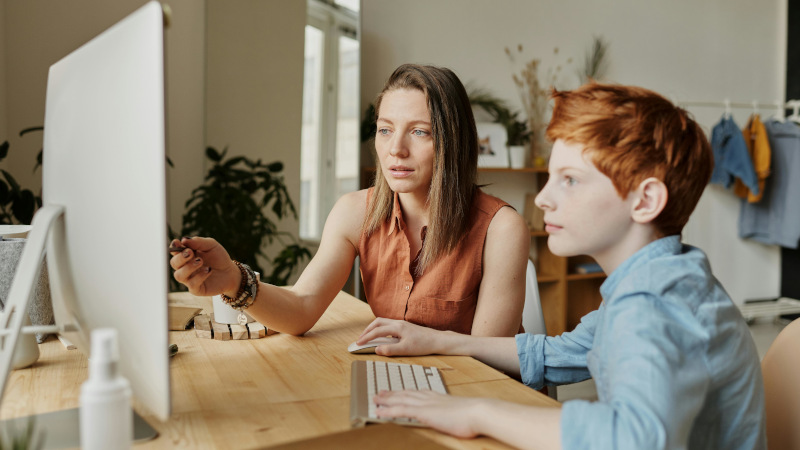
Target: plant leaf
(213, 154)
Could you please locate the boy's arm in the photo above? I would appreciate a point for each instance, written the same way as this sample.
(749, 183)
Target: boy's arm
(556, 360)
(519, 425)
(539, 360)
(498, 352)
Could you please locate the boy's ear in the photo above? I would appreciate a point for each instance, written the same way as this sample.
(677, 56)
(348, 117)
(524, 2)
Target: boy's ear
(651, 198)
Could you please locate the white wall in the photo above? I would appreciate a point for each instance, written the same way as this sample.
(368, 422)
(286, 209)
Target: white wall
(239, 83)
(254, 92)
(686, 49)
(38, 33)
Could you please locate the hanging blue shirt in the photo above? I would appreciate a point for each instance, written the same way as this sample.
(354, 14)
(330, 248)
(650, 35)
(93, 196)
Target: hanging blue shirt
(731, 157)
(775, 220)
(673, 360)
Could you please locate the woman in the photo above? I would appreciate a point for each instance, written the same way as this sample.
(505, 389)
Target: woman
(434, 249)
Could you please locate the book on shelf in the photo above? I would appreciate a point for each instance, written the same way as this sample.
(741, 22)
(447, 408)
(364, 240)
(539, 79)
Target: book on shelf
(585, 268)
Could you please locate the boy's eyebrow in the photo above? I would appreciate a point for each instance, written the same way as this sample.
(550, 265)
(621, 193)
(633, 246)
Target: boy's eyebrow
(565, 168)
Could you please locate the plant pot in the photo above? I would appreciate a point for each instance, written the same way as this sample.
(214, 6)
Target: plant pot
(225, 314)
(516, 154)
(27, 350)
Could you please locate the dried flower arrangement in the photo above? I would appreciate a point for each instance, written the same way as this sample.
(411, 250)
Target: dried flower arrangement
(534, 95)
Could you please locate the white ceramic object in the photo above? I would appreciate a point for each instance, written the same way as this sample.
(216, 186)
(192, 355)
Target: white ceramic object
(225, 314)
(516, 154)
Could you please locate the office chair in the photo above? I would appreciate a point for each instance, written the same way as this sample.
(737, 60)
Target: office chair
(781, 370)
(532, 317)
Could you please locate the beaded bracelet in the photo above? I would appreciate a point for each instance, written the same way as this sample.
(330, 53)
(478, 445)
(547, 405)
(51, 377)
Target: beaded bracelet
(248, 289)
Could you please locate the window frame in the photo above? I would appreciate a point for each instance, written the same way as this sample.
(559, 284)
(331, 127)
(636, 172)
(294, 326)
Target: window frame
(334, 22)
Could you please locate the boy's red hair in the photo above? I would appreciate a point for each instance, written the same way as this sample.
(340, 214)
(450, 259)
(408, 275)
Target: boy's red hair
(631, 134)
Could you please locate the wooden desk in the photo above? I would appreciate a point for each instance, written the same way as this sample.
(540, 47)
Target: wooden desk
(255, 393)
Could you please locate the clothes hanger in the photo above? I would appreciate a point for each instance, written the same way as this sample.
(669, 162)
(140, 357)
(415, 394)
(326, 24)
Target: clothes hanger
(781, 114)
(795, 105)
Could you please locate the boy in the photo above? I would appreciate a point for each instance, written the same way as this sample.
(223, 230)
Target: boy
(673, 360)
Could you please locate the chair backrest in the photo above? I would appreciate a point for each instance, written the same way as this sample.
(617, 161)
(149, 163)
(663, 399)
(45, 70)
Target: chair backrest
(781, 369)
(532, 317)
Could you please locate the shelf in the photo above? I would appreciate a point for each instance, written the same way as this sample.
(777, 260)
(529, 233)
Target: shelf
(545, 278)
(585, 276)
(508, 169)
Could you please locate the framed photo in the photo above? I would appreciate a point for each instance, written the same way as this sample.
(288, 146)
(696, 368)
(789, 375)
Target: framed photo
(492, 142)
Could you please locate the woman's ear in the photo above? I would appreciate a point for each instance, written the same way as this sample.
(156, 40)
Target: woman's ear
(651, 198)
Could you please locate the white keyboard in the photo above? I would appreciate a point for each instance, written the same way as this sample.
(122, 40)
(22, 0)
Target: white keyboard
(370, 377)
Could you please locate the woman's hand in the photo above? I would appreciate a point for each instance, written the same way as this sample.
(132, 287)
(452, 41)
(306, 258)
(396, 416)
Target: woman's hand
(446, 413)
(414, 339)
(205, 267)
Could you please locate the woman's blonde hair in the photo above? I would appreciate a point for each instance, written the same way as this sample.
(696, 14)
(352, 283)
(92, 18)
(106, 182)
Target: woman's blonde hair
(455, 167)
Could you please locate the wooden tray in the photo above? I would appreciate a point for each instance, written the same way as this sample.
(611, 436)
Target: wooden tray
(206, 327)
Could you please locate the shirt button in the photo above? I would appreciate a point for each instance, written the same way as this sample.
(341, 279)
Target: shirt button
(406, 287)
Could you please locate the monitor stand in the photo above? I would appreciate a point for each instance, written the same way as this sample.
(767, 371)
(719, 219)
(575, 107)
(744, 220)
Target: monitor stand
(61, 429)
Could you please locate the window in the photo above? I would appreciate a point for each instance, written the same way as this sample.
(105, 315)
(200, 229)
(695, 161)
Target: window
(330, 134)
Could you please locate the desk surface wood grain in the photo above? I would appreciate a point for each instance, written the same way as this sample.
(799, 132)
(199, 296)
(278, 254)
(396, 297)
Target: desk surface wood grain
(256, 393)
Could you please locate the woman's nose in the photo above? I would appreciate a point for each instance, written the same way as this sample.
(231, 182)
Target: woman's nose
(398, 147)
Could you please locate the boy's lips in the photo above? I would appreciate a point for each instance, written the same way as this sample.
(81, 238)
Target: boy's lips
(549, 227)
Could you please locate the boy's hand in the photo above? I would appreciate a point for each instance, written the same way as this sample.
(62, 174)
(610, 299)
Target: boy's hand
(414, 339)
(203, 266)
(446, 413)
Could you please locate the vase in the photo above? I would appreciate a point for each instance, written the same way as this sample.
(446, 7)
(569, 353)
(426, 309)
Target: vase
(540, 148)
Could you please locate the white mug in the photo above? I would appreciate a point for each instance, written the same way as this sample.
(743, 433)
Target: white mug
(225, 314)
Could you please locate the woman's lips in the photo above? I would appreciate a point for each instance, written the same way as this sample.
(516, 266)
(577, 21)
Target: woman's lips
(400, 171)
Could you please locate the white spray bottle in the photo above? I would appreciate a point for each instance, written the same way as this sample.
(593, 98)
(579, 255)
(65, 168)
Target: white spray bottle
(105, 404)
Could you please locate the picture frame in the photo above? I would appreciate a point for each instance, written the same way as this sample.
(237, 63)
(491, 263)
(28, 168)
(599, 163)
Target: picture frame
(493, 151)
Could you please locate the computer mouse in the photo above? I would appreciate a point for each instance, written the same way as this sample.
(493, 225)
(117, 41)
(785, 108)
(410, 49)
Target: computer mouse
(369, 347)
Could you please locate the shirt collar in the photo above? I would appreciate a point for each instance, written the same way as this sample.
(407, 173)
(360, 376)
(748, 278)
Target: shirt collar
(670, 245)
(399, 222)
(397, 216)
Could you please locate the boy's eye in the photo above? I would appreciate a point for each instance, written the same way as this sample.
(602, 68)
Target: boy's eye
(569, 181)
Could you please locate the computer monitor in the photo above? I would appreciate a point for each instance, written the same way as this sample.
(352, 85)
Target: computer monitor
(104, 215)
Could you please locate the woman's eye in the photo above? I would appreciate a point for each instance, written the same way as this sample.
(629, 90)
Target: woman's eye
(383, 131)
(420, 133)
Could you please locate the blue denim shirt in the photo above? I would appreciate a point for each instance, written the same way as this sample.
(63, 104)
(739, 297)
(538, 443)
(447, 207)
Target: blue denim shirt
(674, 363)
(731, 157)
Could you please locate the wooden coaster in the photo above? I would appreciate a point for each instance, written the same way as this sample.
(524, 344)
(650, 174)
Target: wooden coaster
(205, 327)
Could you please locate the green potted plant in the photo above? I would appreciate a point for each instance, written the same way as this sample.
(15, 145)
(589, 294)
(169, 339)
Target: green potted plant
(236, 205)
(518, 134)
(17, 205)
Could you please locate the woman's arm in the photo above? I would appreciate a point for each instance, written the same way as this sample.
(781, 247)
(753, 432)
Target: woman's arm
(207, 269)
(502, 291)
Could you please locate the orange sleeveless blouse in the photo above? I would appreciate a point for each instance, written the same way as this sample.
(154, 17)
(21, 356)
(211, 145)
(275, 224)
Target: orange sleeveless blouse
(446, 294)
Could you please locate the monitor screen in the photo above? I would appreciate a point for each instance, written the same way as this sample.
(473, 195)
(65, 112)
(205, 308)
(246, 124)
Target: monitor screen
(104, 164)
